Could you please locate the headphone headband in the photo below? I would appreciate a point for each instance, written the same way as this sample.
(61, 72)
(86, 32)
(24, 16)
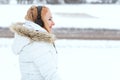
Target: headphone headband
(39, 21)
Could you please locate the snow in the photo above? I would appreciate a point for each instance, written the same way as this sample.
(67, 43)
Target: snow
(78, 60)
(80, 16)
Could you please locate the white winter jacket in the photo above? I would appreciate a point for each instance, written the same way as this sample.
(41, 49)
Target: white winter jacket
(37, 54)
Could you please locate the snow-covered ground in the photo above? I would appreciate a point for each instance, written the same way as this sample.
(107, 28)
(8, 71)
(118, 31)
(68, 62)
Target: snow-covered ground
(78, 60)
(83, 16)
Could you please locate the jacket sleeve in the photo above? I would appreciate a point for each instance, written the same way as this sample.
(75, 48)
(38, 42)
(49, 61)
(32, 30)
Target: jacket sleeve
(44, 61)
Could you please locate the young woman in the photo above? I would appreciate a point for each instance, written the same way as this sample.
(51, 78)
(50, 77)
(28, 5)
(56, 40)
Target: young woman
(34, 44)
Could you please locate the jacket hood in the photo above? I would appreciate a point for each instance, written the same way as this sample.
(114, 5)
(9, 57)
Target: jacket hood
(28, 32)
(32, 31)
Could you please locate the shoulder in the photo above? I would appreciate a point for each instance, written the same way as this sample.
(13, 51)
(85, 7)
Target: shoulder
(41, 44)
(38, 49)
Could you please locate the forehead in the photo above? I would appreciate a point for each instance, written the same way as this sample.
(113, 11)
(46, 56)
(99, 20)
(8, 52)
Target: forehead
(46, 12)
(49, 14)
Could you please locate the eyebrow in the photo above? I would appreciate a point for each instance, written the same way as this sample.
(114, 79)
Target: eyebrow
(50, 17)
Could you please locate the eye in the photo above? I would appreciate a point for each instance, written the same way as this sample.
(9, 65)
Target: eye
(50, 19)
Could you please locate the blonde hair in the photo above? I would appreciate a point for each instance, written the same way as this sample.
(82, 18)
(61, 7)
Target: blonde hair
(32, 13)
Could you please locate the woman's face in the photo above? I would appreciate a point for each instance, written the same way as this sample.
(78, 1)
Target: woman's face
(48, 22)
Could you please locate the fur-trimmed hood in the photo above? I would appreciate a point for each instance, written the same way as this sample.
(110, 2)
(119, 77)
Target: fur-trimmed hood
(32, 31)
(27, 33)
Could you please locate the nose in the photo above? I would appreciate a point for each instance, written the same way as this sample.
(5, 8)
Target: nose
(53, 23)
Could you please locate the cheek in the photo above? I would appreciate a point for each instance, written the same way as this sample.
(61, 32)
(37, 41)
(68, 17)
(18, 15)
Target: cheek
(49, 23)
(46, 22)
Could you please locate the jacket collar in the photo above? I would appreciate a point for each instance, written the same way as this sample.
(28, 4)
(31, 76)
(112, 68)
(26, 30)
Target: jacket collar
(32, 25)
(32, 31)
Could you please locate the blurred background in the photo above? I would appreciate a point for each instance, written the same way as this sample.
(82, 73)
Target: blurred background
(61, 1)
(88, 37)
(76, 19)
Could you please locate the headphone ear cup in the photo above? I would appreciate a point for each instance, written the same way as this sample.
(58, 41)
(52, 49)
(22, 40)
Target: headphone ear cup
(39, 22)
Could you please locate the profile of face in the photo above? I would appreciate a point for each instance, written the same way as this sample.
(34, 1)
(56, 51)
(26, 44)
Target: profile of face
(47, 19)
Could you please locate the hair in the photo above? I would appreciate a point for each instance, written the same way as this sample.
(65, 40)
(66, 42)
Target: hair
(32, 14)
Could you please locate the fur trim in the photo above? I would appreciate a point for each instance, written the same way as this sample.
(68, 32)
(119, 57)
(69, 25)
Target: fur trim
(33, 35)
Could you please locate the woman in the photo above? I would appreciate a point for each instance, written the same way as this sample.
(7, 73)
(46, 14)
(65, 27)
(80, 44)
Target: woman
(34, 44)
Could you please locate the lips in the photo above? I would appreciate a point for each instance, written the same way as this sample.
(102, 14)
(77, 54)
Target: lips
(50, 27)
